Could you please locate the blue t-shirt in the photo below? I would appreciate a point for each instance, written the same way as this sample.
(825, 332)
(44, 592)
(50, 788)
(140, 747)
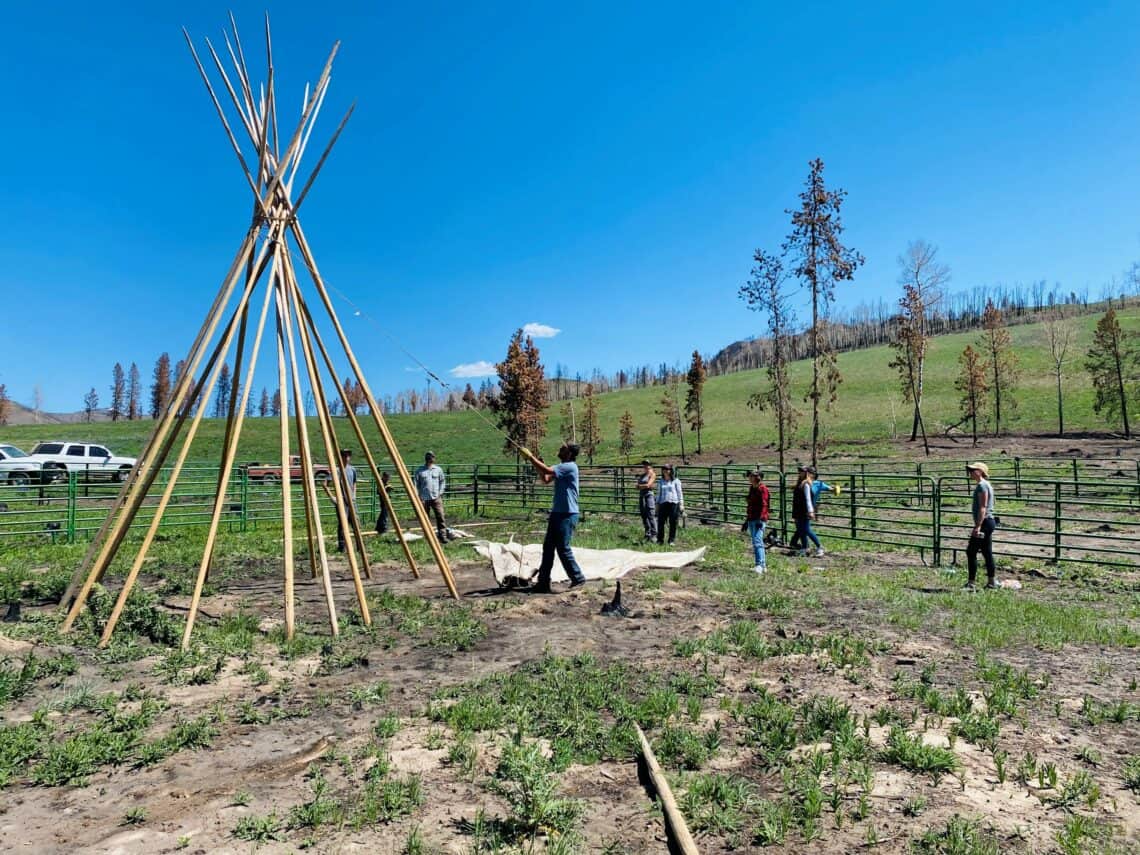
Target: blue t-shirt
(565, 489)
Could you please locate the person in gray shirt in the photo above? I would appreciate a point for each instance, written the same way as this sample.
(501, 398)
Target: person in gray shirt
(430, 484)
(348, 487)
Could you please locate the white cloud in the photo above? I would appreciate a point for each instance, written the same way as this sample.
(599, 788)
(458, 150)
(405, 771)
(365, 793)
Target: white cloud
(482, 368)
(535, 330)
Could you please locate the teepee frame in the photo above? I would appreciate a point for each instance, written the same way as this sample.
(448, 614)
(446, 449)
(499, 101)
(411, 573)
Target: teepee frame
(265, 258)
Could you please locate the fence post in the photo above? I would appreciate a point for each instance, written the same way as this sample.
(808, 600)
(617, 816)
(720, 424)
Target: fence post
(244, 496)
(1076, 480)
(783, 508)
(72, 502)
(724, 488)
(1056, 521)
(475, 491)
(854, 515)
(919, 479)
(936, 520)
(1017, 477)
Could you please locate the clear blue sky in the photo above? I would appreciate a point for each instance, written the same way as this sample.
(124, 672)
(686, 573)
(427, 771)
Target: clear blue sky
(604, 169)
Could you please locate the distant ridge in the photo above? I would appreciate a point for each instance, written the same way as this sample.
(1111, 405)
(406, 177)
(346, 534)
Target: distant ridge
(18, 414)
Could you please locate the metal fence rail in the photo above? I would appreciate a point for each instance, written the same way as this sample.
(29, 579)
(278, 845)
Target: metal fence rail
(924, 507)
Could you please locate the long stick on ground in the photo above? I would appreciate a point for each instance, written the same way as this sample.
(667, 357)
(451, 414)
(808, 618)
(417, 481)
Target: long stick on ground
(674, 820)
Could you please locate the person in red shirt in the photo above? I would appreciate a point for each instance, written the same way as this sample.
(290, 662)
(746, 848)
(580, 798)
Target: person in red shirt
(756, 518)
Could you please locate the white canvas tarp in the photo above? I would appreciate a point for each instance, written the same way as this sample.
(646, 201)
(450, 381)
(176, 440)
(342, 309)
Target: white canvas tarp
(520, 561)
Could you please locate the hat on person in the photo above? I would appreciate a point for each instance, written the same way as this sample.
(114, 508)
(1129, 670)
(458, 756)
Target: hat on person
(981, 467)
(758, 472)
(346, 452)
(803, 467)
(646, 463)
(429, 456)
(811, 471)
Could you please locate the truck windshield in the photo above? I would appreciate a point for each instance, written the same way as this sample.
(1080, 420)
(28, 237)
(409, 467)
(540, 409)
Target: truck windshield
(12, 451)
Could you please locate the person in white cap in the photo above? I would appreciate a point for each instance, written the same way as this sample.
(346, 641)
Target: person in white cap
(981, 536)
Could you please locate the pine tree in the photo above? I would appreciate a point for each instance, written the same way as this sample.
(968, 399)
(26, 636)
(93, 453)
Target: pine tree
(820, 261)
(118, 392)
(764, 293)
(910, 345)
(625, 432)
(5, 404)
(1058, 331)
(522, 400)
(670, 411)
(469, 397)
(222, 392)
(263, 405)
(1000, 362)
(694, 410)
(921, 272)
(134, 394)
(973, 385)
(591, 429)
(1113, 361)
(90, 405)
(275, 405)
(160, 389)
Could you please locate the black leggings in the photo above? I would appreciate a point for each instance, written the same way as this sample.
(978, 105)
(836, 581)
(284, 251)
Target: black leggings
(983, 542)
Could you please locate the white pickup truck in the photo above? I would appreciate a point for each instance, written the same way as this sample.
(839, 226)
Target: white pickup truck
(86, 458)
(17, 467)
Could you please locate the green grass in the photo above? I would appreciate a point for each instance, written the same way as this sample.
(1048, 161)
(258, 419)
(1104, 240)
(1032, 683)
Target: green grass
(868, 397)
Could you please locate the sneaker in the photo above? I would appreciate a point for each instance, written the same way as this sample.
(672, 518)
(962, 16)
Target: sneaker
(760, 569)
(577, 583)
(969, 586)
(819, 552)
(538, 589)
(992, 585)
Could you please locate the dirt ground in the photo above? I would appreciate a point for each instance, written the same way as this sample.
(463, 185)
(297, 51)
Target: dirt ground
(190, 804)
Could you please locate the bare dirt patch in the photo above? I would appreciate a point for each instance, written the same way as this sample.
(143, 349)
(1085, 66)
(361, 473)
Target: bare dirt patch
(306, 720)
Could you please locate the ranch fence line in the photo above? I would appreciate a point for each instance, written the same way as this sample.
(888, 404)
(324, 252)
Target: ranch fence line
(1051, 510)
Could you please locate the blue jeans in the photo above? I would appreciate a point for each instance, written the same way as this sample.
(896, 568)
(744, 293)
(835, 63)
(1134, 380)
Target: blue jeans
(756, 531)
(559, 531)
(803, 534)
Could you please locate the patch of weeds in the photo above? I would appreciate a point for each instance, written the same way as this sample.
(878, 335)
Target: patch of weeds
(960, 836)
(259, 829)
(1131, 774)
(386, 726)
(362, 696)
(914, 806)
(910, 752)
(650, 581)
(1089, 755)
(978, 728)
(15, 683)
(525, 779)
(319, 810)
(464, 755)
(257, 673)
(1097, 712)
(683, 748)
(386, 799)
(716, 803)
(1082, 834)
(134, 816)
(241, 798)
(457, 628)
(774, 822)
(1080, 788)
(338, 656)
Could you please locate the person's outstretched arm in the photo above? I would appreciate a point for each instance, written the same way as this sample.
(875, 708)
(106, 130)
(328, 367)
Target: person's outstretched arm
(546, 473)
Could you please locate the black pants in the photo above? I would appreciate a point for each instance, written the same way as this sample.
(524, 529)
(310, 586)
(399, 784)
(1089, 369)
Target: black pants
(667, 513)
(382, 520)
(647, 505)
(984, 543)
(340, 534)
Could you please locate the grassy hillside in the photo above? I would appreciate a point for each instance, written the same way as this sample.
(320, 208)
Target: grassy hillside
(870, 410)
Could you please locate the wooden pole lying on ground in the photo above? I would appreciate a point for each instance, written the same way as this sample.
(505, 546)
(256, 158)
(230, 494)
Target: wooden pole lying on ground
(674, 820)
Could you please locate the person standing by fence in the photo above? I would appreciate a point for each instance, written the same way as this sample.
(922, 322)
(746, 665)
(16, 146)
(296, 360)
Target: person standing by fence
(981, 536)
(646, 500)
(756, 518)
(348, 489)
(382, 520)
(803, 512)
(670, 504)
(430, 484)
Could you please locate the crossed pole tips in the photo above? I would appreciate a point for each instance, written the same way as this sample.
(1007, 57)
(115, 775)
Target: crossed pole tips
(237, 322)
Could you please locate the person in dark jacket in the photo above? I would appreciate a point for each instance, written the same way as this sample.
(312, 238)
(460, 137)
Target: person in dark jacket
(803, 512)
(756, 518)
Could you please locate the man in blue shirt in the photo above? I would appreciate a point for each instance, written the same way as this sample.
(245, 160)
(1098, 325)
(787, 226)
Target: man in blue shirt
(563, 517)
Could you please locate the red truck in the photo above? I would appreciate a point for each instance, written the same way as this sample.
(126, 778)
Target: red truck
(270, 474)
